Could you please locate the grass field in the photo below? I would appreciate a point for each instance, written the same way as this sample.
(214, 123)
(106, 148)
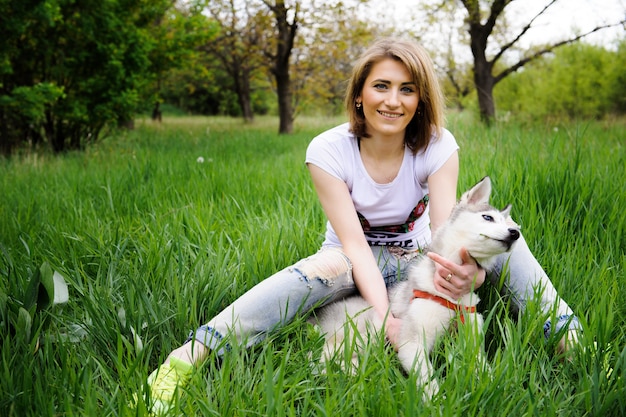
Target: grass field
(151, 243)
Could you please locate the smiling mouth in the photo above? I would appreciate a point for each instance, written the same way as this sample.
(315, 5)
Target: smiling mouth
(508, 243)
(390, 115)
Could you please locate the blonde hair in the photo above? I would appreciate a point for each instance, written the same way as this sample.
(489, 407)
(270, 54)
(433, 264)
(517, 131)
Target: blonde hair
(429, 117)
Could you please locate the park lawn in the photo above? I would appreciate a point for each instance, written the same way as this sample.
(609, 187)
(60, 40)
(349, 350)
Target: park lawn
(155, 230)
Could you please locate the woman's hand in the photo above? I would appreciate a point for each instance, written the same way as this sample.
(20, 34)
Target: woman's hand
(392, 330)
(457, 280)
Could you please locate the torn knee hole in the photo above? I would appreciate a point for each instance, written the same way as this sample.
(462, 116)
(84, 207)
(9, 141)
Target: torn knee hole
(326, 266)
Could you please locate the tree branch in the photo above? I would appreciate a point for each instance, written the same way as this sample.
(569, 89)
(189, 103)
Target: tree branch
(473, 10)
(496, 10)
(522, 33)
(548, 49)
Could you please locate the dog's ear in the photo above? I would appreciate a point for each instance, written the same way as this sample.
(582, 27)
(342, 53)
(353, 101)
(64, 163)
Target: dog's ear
(506, 211)
(479, 193)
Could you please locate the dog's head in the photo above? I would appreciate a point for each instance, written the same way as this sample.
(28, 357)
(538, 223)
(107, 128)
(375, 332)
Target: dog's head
(479, 227)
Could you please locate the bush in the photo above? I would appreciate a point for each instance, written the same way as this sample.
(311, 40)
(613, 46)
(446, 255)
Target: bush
(577, 81)
(69, 69)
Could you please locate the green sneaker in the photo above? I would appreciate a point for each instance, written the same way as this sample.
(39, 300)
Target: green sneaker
(166, 383)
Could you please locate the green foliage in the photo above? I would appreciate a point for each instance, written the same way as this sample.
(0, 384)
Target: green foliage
(320, 78)
(577, 81)
(71, 70)
(23, 109)
(203, 88)
(152, 243)
(617, 75)
(23, 313)
(176, 39)
(31, 102)
(68, 69)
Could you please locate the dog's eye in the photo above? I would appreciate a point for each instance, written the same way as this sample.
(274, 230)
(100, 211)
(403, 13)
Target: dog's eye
(488, 217)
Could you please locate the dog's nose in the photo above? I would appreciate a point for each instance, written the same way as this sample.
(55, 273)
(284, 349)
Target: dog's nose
(514, 234)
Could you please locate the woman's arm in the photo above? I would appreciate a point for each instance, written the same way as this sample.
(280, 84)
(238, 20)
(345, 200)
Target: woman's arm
(442, 191)
(339, 208)
(467, 276)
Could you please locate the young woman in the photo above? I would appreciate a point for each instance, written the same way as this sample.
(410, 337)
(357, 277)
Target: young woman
(385, 180)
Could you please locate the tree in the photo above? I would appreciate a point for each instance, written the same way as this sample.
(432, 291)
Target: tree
(238, 45)
(68, 69)
(177, 35)
(576, 81)
(255, 35)
(618, 89)
(286, 25)
(484, 67)
(336, 35)
(330, 42)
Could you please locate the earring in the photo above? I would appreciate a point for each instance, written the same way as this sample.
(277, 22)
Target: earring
(358, 105)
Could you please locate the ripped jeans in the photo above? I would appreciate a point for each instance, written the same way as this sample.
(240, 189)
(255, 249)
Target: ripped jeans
(327, 276)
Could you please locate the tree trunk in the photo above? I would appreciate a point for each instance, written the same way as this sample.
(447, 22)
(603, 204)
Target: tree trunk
(484, 81)
(54, 137)
(483, 77)
(8, 136)
(244, 96)
(285, 109)
(285, 39)
(127, 123)
(157, 115)
(246, 106)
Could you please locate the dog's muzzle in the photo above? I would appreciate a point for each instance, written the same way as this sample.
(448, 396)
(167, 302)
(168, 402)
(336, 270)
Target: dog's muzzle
(514, 234)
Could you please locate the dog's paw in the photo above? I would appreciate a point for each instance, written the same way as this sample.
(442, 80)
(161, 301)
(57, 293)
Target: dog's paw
(429, 390)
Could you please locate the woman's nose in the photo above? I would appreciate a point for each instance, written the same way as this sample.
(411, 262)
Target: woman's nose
(393, 99)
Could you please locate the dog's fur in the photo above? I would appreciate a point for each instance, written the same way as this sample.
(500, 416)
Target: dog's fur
(474, 225)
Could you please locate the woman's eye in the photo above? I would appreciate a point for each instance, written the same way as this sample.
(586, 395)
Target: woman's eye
(380, 86)
(408, 90)
(488, 217)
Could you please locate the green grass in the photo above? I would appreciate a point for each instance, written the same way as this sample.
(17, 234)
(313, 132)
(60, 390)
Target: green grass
(152, 243)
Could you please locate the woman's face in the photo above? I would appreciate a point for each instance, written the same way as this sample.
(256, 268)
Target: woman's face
(389, 98)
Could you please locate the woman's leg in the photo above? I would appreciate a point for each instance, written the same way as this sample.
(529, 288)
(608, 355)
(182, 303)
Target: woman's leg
(275, 301)
(526, 280)
(311, 282)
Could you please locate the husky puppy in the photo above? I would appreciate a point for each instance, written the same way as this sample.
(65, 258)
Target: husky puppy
(426, 313)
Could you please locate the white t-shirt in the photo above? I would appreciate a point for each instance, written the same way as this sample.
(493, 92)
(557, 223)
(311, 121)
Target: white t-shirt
(393, 214)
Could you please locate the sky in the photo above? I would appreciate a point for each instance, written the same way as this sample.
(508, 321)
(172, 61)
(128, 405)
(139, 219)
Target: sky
(570, 17)
(562, 20)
